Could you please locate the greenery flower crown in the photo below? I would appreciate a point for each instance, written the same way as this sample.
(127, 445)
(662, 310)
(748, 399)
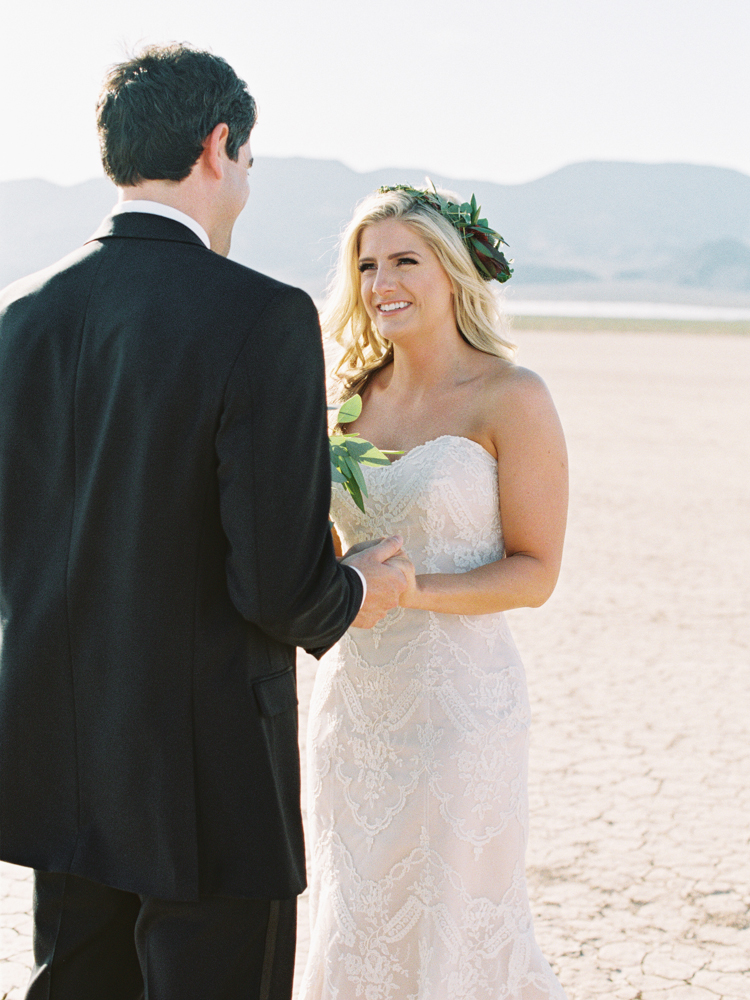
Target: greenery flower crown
(482, 242)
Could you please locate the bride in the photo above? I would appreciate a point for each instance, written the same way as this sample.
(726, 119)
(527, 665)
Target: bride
(419, 727)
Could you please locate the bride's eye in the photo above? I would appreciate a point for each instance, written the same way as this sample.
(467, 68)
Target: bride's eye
(406, 260)
(365, 265)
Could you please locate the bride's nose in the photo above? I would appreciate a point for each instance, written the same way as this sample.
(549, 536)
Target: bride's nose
(383, 279)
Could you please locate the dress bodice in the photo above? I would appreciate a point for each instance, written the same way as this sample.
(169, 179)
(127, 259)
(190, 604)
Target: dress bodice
(442, 496)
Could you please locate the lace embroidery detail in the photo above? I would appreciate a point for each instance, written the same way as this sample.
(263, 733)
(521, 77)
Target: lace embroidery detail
(417, 781)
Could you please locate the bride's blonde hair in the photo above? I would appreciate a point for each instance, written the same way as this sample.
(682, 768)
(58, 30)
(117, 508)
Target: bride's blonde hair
(345, 320)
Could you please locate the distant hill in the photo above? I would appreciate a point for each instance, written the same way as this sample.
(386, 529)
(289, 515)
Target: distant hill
(590, 230)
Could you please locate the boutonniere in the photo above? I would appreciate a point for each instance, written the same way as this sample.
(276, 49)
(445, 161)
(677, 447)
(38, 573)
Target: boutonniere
(349, 452)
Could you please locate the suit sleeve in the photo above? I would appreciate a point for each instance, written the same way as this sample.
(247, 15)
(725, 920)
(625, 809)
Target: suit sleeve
(275, 483)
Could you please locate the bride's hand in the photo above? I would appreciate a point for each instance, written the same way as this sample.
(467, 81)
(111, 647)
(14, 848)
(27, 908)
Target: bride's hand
(400, 560)
(409, 597)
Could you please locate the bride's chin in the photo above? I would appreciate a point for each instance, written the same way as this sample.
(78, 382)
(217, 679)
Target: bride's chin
(390, 331)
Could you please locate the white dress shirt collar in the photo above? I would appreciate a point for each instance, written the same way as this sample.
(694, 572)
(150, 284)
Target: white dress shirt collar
(157, 208)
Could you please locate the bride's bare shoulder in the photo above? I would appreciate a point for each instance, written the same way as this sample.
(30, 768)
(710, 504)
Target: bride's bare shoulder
(507, 383)
(515, 402)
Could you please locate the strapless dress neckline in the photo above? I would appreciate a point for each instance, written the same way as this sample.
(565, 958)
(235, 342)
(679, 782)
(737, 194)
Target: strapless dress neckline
(419, 448)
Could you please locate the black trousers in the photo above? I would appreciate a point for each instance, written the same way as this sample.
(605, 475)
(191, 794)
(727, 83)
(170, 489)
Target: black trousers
(92, 942)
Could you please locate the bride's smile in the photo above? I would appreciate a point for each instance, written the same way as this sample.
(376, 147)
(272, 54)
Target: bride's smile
(404, 287)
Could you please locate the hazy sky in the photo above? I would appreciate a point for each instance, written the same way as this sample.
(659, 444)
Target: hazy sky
(503, 90)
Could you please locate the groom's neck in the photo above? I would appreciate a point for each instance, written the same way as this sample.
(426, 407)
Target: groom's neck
(176, 194)
(188, 196)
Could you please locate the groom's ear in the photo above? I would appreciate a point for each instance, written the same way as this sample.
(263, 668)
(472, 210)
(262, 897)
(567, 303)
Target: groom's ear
(214, 150)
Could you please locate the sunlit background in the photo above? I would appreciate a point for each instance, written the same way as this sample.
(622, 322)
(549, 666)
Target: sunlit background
(485, 89)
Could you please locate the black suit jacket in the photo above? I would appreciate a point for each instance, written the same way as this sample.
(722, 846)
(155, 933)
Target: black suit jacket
(164, 491)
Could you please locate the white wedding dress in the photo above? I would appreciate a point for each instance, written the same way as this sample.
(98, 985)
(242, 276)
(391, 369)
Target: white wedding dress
(418, 739)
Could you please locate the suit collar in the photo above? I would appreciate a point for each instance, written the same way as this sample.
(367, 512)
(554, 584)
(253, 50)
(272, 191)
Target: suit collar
(142, 226)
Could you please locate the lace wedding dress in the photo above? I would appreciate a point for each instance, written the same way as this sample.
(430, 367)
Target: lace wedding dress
(417, 766)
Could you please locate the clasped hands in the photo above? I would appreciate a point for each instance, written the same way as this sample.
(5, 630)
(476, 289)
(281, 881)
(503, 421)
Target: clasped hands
(389, 573)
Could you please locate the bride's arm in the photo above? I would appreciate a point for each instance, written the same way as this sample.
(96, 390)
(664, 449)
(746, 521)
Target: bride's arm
(533, 490)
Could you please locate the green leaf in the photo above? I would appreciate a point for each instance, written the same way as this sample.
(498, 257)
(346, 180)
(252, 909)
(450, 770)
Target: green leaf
(353, 465)
(350, 410)
(366, 453)
(336, 476)
(356, 446)
(356, 495)
(374, 457)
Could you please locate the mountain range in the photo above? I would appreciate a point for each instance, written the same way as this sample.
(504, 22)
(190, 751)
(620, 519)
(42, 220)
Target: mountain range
(597, 230)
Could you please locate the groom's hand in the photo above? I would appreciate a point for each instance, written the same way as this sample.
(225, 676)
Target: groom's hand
(385, 583)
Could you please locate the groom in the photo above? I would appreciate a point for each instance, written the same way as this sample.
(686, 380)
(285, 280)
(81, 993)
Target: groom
(164, 489)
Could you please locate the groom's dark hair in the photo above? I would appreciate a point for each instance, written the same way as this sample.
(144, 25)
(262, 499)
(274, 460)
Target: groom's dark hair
(156, 110)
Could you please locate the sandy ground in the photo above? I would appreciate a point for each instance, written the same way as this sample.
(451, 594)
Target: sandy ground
(639, 675)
